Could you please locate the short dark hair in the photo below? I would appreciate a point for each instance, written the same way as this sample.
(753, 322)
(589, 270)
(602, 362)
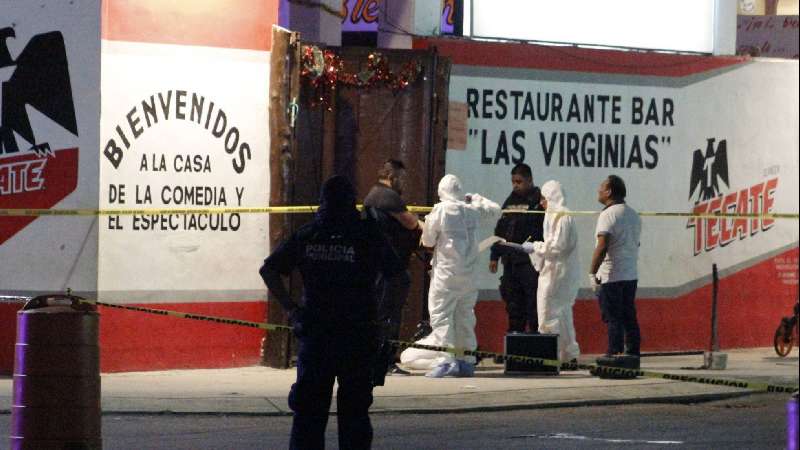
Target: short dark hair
(390, 167)
(523, 170)
(616, 187)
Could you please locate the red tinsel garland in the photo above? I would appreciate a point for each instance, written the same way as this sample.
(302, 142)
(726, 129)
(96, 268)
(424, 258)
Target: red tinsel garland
(322, 70)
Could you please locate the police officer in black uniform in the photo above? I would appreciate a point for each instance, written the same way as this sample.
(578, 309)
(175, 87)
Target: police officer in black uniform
(520, 280)
(339, 257)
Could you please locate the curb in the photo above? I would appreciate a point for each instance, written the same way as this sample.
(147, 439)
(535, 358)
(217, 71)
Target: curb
(680, 399)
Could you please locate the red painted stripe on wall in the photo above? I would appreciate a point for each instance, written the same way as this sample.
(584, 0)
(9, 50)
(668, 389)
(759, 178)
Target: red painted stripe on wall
(532, 56)
(131, 340)
(750, 305)
(243, 24)
(8, 331)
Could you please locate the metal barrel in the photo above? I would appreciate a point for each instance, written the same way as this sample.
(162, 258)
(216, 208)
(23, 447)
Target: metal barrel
(56, 401)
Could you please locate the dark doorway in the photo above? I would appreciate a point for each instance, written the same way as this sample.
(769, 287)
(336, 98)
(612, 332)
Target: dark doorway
(352, 135)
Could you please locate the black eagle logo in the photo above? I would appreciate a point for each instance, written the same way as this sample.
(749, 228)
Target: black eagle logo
(38, 78)
(708, 170)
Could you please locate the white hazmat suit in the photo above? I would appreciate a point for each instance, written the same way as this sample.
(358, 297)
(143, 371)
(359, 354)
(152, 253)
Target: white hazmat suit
(451, 228)
(556, 259)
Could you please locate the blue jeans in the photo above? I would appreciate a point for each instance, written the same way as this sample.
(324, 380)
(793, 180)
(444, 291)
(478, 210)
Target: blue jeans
(619, 313)
(321, 359)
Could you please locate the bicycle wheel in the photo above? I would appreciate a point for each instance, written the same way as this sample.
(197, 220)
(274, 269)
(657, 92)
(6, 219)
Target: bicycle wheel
(782, 343)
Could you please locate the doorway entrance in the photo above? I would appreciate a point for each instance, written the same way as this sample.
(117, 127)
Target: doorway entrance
(351, 130)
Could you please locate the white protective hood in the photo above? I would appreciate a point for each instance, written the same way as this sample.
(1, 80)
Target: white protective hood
(559, 273)
(557, 256)
(450, 188)
(451, 229)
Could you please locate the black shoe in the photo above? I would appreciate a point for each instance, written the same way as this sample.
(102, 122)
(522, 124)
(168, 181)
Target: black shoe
(423, 329)
(394, 370)
(571, 365)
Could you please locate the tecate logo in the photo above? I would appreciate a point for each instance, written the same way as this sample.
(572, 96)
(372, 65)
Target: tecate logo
(709, 170)
(21, 176)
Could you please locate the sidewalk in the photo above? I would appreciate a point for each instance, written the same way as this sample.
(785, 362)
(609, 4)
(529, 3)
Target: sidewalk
(263, 391)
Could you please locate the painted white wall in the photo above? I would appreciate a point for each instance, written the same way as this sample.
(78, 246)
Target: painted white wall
(55, 253)
(724, 27)
(179, 261)
(753, 106)
(312, 21)
(400, 20)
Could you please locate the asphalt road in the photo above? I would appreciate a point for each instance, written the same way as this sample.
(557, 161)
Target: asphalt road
(756, 421)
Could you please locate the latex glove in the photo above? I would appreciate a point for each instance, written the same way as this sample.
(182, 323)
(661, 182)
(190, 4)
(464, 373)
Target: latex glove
(527, 247)
(594, 283)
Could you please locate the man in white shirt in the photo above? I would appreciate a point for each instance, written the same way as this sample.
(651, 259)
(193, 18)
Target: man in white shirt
(613, 273)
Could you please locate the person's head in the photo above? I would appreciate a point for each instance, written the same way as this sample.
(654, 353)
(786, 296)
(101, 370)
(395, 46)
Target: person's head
(611, 190)
(337, 200)
(450, 188)
(393, 174)
(552, 196)
(521, 179)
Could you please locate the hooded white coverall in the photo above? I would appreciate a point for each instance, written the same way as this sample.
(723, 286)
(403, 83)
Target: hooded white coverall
(451, 228)
(556, 259)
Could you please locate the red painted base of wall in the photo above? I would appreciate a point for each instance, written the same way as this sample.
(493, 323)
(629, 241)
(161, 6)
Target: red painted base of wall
(131, 341)
(750, 305)
(8, 335)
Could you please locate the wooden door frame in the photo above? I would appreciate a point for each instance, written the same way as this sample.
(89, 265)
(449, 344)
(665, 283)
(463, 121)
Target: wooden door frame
(288, 166)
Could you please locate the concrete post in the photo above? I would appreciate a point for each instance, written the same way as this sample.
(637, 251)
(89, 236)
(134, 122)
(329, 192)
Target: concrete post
(714, 359)
(725, 27)
(399, 20)
(315, 23)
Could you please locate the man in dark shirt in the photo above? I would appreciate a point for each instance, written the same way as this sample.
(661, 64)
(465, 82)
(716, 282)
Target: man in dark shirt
(519, 281)
(385, 205)
(339, 257)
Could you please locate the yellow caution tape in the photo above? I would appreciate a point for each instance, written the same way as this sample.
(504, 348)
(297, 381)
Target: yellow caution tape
(28, 212)
(595, 369)
(763, 216)
(19, 212)
(605, 370)
(181, 315)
